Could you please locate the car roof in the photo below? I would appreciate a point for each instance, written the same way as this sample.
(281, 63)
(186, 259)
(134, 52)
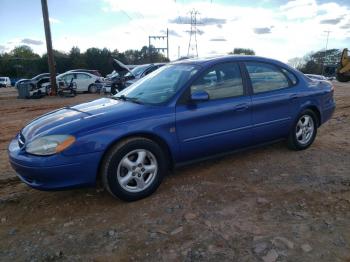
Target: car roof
(226, 58)
(70, 72)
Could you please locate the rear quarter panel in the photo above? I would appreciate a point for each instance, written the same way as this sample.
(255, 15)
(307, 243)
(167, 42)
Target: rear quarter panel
(318, 94)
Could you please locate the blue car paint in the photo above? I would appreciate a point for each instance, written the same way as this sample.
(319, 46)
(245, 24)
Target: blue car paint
(189, 131)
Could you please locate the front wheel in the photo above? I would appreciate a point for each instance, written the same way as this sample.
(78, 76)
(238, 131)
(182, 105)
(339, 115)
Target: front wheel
(304, 131)
(133, 169)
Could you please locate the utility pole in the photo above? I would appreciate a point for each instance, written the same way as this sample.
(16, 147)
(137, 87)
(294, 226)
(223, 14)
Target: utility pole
(325, 52)
(193, 31)
(50, 57)
(162, 49)
(167, 43)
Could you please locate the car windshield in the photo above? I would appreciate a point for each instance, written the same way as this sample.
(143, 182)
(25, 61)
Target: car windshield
(160, 85)
(137, 71)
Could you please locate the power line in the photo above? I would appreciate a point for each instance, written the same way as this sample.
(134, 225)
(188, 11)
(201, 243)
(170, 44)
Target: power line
(193, 31)
(131, 19)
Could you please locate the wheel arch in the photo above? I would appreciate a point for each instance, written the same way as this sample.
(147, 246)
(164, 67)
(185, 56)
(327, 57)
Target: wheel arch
(317, 113)
(151, 136)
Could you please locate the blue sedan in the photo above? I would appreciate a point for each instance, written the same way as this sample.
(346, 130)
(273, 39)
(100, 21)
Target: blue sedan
(182, 112)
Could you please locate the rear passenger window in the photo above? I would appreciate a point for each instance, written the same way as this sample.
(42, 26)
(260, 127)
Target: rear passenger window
(291, 76)
(221, 81)
(265, 77)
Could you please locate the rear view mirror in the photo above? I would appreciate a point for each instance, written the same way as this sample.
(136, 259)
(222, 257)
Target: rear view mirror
(199, 96)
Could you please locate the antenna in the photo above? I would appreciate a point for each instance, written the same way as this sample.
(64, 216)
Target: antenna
(193, 46)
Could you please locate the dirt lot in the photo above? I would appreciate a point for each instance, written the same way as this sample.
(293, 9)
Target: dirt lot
(268, 204)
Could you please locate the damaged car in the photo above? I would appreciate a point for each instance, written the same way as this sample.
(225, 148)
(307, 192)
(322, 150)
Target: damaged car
(124, 76)
(35, 87)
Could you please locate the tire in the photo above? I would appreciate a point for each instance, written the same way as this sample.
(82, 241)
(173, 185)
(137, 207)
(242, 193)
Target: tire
(114, 170)
(342, 78)
(92, 89)
(304, 130)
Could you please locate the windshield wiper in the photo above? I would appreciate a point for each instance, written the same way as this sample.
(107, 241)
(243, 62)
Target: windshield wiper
(126, 98)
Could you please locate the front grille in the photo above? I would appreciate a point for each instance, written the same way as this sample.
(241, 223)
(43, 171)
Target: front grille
(21, 140)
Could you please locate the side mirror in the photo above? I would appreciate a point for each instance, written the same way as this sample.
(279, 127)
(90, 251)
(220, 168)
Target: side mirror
(199, 96)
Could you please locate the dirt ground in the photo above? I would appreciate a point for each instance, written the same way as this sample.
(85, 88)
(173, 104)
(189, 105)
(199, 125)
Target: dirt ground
(268, 204)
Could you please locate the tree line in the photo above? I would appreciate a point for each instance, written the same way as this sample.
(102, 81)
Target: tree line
(22, 62)
(323, 62)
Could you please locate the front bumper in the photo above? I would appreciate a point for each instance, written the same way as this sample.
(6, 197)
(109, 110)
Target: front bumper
(54, 172)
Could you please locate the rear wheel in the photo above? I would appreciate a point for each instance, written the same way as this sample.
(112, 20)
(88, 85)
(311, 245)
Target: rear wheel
(133, 169)
(304, 131)
(92, 89)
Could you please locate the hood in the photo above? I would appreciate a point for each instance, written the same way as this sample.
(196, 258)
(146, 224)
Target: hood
(84, 117)
(120, 67)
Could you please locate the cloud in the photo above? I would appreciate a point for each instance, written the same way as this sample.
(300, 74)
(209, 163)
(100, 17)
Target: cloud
(212, 21)
(221, 39)
(2, 48)
(54, 20)
(29, 41)
(300, 9)
(262, 30)
(297, 27)
(181, 20)
(171, 33)
(346, 26)
(199, 32)
(331, 21)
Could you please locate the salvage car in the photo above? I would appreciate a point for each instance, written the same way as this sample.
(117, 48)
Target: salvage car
(36, 87)
(85, 82)
(124, 76)
(35, 80)
(183, 112)
(91, 71)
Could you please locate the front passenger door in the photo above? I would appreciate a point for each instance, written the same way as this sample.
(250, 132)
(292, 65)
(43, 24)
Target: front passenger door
(220, 124)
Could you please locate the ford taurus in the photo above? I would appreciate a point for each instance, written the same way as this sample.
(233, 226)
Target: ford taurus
(184, 111)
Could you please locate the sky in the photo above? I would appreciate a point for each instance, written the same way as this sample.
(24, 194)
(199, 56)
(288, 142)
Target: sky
(279, 29)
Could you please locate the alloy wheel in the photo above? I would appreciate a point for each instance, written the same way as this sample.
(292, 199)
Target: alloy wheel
(137, 170)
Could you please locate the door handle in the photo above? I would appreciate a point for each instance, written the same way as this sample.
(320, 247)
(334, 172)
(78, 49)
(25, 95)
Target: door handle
(241, 107)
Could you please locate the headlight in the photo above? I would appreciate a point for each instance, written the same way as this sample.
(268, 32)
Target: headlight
(49, 145)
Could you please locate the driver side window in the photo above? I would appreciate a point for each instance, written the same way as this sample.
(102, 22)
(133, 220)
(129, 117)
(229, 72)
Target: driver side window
(221, 81)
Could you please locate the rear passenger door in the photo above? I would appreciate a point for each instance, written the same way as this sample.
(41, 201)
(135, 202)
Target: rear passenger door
(219, 124)
(274, 101)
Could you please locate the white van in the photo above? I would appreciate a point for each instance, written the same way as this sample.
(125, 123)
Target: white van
(5, 81)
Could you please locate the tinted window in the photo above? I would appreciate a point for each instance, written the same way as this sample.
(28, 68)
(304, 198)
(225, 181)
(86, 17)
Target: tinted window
(137, 71)
(150, 70)
(221, 81)
(266, 77)
(291, 76)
